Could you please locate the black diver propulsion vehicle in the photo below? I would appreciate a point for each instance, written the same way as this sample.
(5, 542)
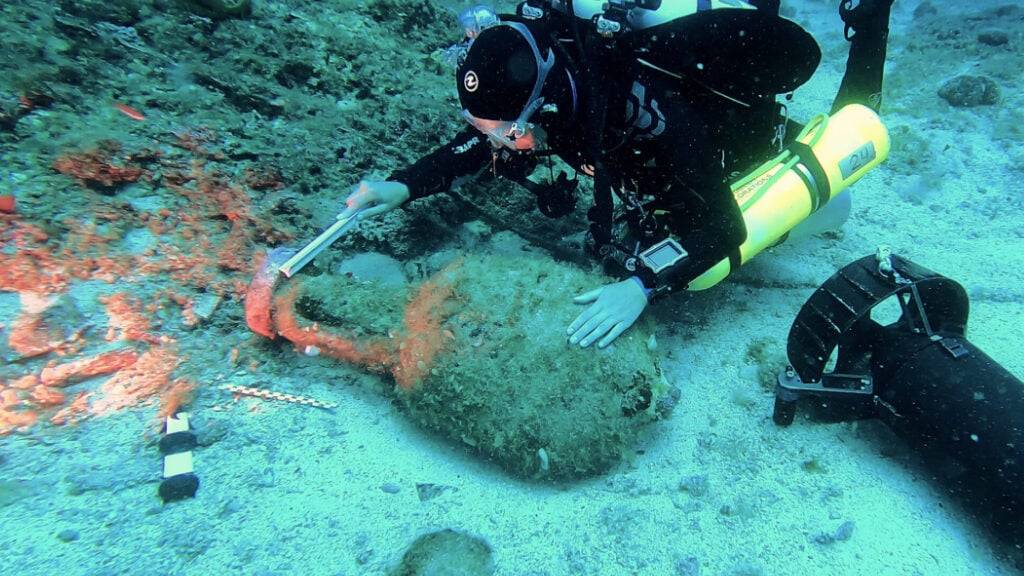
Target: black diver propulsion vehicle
(897, 334)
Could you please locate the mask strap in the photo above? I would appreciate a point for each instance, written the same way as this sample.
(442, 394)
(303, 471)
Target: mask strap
(544, 66)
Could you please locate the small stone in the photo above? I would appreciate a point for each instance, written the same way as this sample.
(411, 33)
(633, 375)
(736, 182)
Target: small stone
(391, 488)
(967, 91)
(210, 432)
(447, 552)
(427, 491)
(845, 531)
(266, 479)
(841, 534)
(230, 507)
(206, 304)
(696, 485)
(67, 535)
(993, 38)
(373, 267)
(147, 203)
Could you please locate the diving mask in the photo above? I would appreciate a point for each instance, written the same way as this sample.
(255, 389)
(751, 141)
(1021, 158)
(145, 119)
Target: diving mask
(504, 134)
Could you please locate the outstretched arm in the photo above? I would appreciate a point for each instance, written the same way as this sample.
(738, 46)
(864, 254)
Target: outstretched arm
(465, 155)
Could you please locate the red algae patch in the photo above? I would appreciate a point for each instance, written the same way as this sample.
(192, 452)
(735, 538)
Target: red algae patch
(147, 378)
(205, 240)
(408, 356)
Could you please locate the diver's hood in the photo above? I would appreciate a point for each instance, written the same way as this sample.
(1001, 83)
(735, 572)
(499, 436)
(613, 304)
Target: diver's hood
(502, 73)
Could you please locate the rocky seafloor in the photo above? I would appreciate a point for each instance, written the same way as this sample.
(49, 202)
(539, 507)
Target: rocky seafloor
(155, 149)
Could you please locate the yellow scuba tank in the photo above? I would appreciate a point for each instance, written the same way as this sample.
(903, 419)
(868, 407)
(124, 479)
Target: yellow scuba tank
(829, 155)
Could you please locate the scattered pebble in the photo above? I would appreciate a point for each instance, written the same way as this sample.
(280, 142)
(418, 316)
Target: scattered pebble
(206, 304)
(841, 534)
(230, 507)
(427, 491)
(366, 552)
(969, 91)
(67, 535)
(696, 485)
(994, 38)
(391, 488)
(210, 432)
(845, 531)
(364, 556)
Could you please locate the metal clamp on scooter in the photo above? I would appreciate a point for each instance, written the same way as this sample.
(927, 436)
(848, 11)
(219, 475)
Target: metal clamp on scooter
(962, 411)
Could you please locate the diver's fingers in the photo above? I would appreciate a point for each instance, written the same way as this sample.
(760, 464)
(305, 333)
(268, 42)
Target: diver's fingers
(603, 328)
(370, 212)
(588, 297)
(616, 331)
(589, 326)
(582, 319)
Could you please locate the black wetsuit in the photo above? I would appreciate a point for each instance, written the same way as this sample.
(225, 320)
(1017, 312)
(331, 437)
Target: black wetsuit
(672, 150)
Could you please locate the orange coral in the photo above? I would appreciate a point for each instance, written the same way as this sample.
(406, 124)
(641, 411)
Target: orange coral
(126, 321)
(31, 267)
(37, 268)
(84, 368)
(211, 195)
(46, 397)
(202, 246)
(178, 395)
(375, 354)
(236, 250)
(73, 412)
(26, 382)
(96, 168)
(423, 334)
(30, 336)
(147, 378)
(16, 420)
(16, 413)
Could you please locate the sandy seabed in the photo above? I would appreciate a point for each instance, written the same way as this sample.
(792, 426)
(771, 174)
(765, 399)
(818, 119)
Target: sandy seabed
(291, 490)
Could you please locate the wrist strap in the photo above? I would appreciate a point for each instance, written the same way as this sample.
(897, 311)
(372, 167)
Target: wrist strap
(647, 291)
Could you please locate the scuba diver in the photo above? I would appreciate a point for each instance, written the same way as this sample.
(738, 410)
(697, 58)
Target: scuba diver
(663, 103)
